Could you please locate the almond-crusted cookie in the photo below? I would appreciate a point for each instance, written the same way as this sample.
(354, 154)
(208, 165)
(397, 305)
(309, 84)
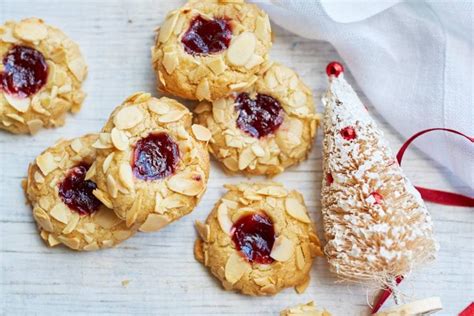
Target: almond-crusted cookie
(205, 49)
(61, 192)
(152, 165)
(308, 309)
(258, 239)
(41, 73)
(263, 129)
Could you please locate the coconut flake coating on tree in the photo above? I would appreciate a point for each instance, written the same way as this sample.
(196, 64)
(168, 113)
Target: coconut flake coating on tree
(376, 224)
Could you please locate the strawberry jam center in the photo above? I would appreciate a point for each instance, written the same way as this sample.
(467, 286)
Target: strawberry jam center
(207, 36)
(258, 117)
(25, 71)
(155, 157)
(253, 235)
(76, 192)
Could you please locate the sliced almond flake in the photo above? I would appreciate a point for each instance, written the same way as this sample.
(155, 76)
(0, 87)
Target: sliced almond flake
(171, 116)
(77, 145)
(154, 222)
(246, 157)
(263, 281)
(128, 117)
(254, 61)
(173, 201)
(203, 91)
(170, 62)
(204, 230)
(78, 68)
(34, 126)
(217, 65)
(235, 268)
(107, 161)
(122, 234)
(112, 186)
(72, 243)
(231, 163)
(103, 142)
(238, 85)
(91, 247)
(295, 209)
(276, 191)
(241, 48)
(71, 225)
(65, 89)
(299, 98)
(283, 249)
(223, 218)
(43, 220)
(126, 175)
(261, 30)
(52, 241)
(19, 104)
(119, 139)
(132, 213)
(91, 172)
(38, 177)
(167, 28)
(300, 262)
(61, 213)
(201, 133)
(187, 183)
(258, 150)
(46, 163)
(141, 97)
(158, 107)
(158, 200)
(31, 30)
(16, 117)
(106, 218)
(7, 36)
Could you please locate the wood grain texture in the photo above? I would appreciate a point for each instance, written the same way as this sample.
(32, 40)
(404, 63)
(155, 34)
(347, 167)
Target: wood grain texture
(116, 37)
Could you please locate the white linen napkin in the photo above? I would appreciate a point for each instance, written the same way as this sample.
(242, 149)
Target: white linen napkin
(412, 59)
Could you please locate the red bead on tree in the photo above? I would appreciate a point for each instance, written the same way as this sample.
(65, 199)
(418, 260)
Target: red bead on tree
(334, 68)
(377, 196)
(348, 133)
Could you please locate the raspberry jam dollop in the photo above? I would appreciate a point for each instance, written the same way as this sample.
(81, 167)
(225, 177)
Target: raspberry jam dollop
(155, 157)
(253, 235)
(76, 192)
(25, 71)
(258, 117)
(207, 36)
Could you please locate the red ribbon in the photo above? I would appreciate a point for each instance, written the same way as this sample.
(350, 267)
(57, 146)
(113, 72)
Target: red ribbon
(436, 196)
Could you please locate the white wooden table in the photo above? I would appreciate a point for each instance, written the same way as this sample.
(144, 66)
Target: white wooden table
(116, 37)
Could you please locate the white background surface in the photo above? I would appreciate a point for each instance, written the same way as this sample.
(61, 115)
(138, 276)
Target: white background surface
(115, 37)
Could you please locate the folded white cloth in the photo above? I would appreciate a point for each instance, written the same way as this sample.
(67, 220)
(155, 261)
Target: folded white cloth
(412, 59)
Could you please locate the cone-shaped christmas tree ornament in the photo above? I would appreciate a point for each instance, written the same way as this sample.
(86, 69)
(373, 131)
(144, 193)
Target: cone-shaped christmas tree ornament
(377, 226)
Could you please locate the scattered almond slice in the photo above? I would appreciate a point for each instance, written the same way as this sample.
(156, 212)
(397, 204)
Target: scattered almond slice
(31, 30)
(241, 49)
(204, 230)
(77, 145)
(61, 213)
(34, 126)
(187, 183)
(19, 104)
(119, 139)
(126, 175)
(296, 210)
(128, 117)
(171, 116)
(223, 218)
(43, 220)
(201, 133)
(107, 161)
(283, 249)
(235, 268)
(158, 107)
(167, 28)
(203, 91)
(46, 163)
(300, 261)
(154, 222)
(106, 218)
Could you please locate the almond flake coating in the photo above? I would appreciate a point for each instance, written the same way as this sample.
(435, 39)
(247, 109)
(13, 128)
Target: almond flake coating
(56, 222)
(211, 76)
(308, 309)
(151, 204)
(269, 155)
(216, 250)
(62, 92)
(376, 224)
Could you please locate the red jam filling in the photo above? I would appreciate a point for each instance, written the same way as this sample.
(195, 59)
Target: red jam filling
(253, 235)
(207, 36)
(348, 133)
(155, 157)
(76, 192)
(258, 117)
(25, 71)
